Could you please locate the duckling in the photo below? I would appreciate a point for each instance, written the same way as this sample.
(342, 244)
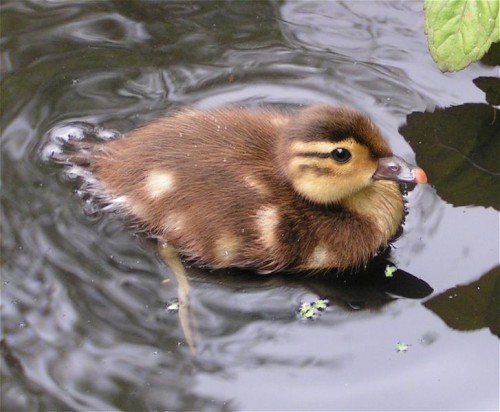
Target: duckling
(258, 189)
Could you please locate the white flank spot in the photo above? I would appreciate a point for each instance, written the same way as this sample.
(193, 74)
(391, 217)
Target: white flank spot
(267, 222)
(256, 185)
(319, 257)
(226, 247)
(159, 182)
(173, 223)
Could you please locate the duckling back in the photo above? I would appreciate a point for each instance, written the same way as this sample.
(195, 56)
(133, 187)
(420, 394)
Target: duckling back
(205, 182)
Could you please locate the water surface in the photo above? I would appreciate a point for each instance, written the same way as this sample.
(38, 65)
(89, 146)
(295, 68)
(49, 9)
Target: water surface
(84, 323)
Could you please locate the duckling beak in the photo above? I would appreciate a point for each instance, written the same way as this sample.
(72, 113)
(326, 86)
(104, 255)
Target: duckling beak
(395, 168)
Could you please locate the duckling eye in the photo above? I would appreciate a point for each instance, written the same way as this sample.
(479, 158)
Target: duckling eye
(341, 155)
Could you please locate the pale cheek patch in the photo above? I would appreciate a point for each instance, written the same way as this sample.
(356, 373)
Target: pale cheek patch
(319, 183)
(267, 220)
(159, 183)
(321, 189)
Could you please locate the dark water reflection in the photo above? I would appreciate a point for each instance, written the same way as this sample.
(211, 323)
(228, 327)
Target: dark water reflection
(84, 324)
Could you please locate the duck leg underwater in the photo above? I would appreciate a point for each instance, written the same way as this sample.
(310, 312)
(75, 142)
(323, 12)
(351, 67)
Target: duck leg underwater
(186, 315)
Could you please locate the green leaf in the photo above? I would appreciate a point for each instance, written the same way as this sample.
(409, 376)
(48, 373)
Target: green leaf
(389, 271)
(305, 309)
(460, 32)
(402, 347)
(311, 310)
(321, 304)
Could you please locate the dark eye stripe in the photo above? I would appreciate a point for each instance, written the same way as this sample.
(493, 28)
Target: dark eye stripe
(314, 154)
(320, 171)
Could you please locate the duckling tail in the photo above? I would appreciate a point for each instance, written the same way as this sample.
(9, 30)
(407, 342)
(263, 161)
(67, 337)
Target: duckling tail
(72, 146)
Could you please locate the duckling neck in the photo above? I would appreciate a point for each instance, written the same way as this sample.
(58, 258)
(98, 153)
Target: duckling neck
(382, 203)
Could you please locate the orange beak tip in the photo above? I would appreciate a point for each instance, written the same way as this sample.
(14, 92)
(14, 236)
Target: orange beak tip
(420, 176)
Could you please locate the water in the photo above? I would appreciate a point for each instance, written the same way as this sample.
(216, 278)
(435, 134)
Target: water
(84, 318)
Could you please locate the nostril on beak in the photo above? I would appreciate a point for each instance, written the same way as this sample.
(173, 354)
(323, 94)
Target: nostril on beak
(394, 167)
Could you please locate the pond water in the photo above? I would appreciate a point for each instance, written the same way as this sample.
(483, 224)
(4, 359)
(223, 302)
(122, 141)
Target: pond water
(84, 318)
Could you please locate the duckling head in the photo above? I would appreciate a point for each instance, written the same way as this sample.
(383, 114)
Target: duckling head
(331, 153)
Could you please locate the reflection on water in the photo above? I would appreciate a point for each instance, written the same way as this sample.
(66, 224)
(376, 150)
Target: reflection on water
(84, 321)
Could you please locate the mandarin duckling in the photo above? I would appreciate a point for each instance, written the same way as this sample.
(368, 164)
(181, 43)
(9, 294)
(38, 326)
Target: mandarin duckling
(257, 188)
